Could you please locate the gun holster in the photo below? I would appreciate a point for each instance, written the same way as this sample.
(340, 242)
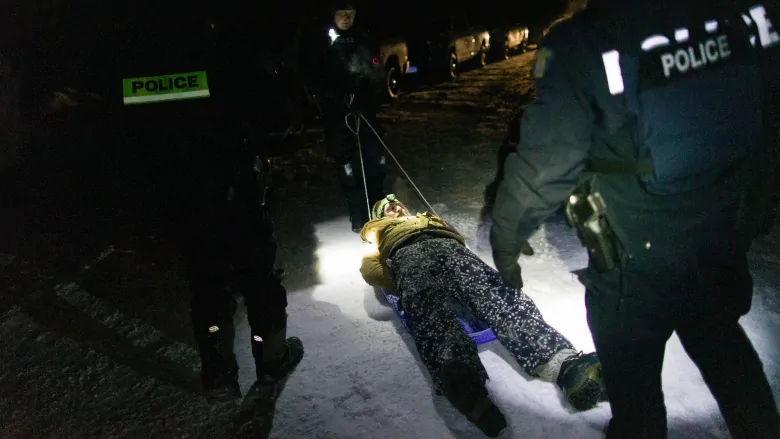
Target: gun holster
(262, 169)
(586, 212)
(251, 176)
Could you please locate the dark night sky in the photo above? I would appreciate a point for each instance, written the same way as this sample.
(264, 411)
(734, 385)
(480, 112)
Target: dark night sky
(76, 40)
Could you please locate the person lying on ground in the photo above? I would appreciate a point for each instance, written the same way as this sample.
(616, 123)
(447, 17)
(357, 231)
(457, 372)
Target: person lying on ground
(426, 263)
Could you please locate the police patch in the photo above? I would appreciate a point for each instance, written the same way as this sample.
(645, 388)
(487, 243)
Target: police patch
(541, 61)
(695, 52)
(174, 87)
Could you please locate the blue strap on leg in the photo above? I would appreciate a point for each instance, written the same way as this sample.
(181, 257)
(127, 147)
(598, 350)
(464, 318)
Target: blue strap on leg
(475, 328)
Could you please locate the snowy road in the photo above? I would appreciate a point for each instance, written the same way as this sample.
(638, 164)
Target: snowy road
(105, 350)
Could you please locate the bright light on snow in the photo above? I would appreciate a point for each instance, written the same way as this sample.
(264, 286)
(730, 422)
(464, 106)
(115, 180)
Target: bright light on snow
(339, 253)
(339, 261)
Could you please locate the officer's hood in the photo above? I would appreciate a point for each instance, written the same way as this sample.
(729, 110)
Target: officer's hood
(628, 22)
(666, 8)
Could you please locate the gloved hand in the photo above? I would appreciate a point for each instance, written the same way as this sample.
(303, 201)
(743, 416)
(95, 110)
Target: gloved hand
(509, 268)
(349, 100)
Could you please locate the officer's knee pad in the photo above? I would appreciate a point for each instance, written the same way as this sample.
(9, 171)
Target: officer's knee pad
(376, 167)
(347, 175)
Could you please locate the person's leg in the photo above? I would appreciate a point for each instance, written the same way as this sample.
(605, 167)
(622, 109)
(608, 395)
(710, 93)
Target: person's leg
(212, 306)
(375, 160)
(733, 372)
(449, 354)
(341, 147)
(253, 256)
(363, 193)
(518, 324)
(630, 320)
(425, 300)
(715, 341)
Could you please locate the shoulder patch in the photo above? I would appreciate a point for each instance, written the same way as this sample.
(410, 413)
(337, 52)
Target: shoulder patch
(543, 57)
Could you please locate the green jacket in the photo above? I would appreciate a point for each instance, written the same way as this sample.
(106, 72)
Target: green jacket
(390, 234)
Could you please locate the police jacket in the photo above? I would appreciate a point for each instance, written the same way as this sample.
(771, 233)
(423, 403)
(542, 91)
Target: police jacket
(188, 83)
(342, 63)
(578, 117)
(231, 55)
(389, 235)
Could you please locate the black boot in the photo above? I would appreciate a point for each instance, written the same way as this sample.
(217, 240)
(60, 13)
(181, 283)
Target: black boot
(275, 359)
(580, 380)
(465, 389)
(276, 356)
(219, 369)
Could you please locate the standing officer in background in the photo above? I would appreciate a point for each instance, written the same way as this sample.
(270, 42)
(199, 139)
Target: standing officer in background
(199, 102)
(339, 65)
(651, 119)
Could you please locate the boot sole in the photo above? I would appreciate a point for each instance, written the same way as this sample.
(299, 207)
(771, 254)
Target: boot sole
(489, 428)
(586, 396)
(223, 398)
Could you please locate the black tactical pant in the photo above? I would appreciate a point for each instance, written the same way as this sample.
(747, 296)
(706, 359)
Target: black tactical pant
(231, 250)
(700, 294)
(431, 273)
(343, 148)
(228, 245)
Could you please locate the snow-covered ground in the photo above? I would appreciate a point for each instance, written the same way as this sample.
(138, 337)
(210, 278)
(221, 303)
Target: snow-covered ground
(107, 352)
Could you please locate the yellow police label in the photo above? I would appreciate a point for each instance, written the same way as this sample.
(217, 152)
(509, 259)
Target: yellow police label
(174, 87)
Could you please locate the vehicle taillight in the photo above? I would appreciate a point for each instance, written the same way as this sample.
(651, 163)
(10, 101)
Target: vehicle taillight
(374, 61)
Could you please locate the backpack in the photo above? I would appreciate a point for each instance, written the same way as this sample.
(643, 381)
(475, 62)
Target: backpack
(693, 89)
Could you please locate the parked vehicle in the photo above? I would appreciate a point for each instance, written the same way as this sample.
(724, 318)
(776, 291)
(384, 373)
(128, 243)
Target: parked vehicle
(445, 44)
(394, 56)
(508, 39)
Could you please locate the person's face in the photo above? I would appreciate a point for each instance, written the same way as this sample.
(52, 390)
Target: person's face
(395, 210)
(344, 19)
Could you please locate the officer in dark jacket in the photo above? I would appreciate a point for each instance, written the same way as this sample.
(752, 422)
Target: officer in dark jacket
(345, 78)
(199, 114)
(653, 112)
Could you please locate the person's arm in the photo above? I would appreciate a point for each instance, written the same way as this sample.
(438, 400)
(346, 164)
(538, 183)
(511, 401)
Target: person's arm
(763, 190)
(371, 268)
(313, 58)
(545, 168)
(374, 273)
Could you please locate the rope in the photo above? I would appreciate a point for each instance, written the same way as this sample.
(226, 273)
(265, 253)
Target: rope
(416, 189)
(356, 131)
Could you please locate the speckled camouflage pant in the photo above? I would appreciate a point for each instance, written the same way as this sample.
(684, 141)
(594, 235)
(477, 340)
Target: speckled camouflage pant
(429, 274)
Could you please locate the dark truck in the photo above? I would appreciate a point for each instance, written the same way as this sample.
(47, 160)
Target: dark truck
(441, 45)
(508, 38)
(394, 56)
(383, 23)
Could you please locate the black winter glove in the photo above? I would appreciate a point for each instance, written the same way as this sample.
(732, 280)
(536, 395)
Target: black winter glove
(509, 268)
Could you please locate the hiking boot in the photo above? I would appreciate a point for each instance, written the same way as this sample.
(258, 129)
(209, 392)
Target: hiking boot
(465, 389)
(281, 368)
(276, 356)
(580, 380)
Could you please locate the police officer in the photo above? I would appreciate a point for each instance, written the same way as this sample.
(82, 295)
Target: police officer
(193, 115)
(346, 82)
(649, 122)
(10, 113)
